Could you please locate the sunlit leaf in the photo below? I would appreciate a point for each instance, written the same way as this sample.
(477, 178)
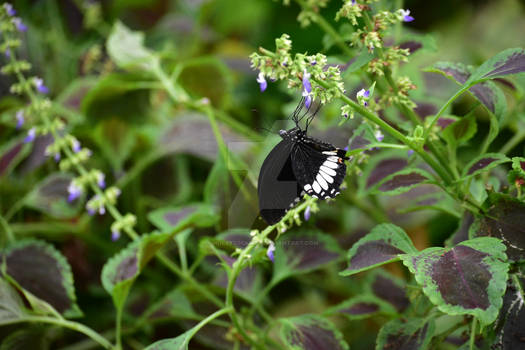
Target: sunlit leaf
(382, 245)
(44, 272)
(468, 279)
(126, 48)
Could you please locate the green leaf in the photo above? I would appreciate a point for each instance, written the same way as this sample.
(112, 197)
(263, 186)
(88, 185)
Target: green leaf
(311, 332)
(363, 58)
(384, 244)
(483, 163)
(460, 131)
(401, 182)
(398, 334)
(179, 343)
(175, 304)
(41, 270)
(50, 197)
(11, 305)
(468, 279)
(119, 273)
(126, 48)
(509, 61)
(180, 218)
(362, 306)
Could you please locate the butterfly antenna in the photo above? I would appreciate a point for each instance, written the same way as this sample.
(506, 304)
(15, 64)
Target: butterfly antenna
(297, 111)
(312, 116)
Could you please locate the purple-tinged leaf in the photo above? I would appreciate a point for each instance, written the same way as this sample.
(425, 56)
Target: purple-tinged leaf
(382, 245)
(412, 46)
(488, 93)
(411, 334)
(468, 279)
(311, 332)
(443, 122)
(389, 289)
(424, 109)
(179, 218)
(175, 304)
(10, 157)
(361, 307)
(510, 327)
(461, 233)
(50, 197)
(503, 220)
(484, 163)
(41, 270)
(301, 253)
(400, 182)
(37, 156)
(119, 273)
(509, 61)
(460, 131)
(384, 168)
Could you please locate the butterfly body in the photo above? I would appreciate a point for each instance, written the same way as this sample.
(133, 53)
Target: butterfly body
(298, 165)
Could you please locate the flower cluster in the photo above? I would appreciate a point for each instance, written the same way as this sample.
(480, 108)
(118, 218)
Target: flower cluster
(37, 117)
(303, 71)
(404, 85)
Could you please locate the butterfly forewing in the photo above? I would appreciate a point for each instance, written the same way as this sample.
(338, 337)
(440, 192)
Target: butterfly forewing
(278, 188)
(319, 167)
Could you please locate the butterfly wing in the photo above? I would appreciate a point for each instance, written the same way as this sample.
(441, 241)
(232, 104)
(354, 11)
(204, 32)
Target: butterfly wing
(319, 167)
(277, 188)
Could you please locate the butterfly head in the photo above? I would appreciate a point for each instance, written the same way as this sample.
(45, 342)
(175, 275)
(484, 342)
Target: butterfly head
(293, 134)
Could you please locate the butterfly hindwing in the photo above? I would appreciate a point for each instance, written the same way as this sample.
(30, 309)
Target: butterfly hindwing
(278, 188)
(319, 167)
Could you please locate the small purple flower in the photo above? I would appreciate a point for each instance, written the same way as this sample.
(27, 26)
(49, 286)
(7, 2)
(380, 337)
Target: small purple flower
(353, 2)
(91, 211)
(9, 9)
(19, 119)
(307, 213)
(115, 235)
(102, 210)
(363, 93)
(57, 157)
(262, 82)
(74, 191)
(379, 136)
(410, 152)
(39, 84)
(306, 82)
(20, 26)
(31, 134)
(101, 181)
(7, 53)
(308, 100)
(270, 251)
(75, 146)
(406, 15)
(313, 63)
(346, 148)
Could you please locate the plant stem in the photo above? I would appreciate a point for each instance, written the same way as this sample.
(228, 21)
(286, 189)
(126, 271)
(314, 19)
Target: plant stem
(8, 232)
(442, 110)
(66, 324)
(513, 142)
(202, 323)
(472, 334)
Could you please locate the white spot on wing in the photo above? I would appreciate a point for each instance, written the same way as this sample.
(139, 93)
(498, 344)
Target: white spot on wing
(330, 164)
(321, 181)
(307, 187)
(316, 187)
(328, 170)
(330, 153)
(325, 176)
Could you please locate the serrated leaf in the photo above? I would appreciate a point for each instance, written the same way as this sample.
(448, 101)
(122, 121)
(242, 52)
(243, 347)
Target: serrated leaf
(361, 307)
(126, 48)
(311, 332)
(44, 272)
(413, 334)
(487, 92)
(503, 220)
(50, 197)
(483, 163)
(468, 279)
(179, 218)
(119, 273)
(401, 181)
(304, 252)
(509, 61)
(382, 245)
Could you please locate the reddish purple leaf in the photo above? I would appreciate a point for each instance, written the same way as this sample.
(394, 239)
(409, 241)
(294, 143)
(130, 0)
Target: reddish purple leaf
(402, 180)
(373, 253)
(310, 332)
(385, 288)
(384, 168)
(399, 334)
(9, 156)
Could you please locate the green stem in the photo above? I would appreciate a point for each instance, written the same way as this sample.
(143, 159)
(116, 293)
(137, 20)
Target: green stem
(118, 328)
(8, 232)
(472, 334)
(66, 324)
(202, 323)
(513, 142)
(442, 110)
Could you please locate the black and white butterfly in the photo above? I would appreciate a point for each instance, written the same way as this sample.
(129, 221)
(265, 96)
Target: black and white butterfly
(298, 165)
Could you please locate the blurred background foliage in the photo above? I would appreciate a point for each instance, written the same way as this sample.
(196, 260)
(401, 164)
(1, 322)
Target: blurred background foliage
(164, 155)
